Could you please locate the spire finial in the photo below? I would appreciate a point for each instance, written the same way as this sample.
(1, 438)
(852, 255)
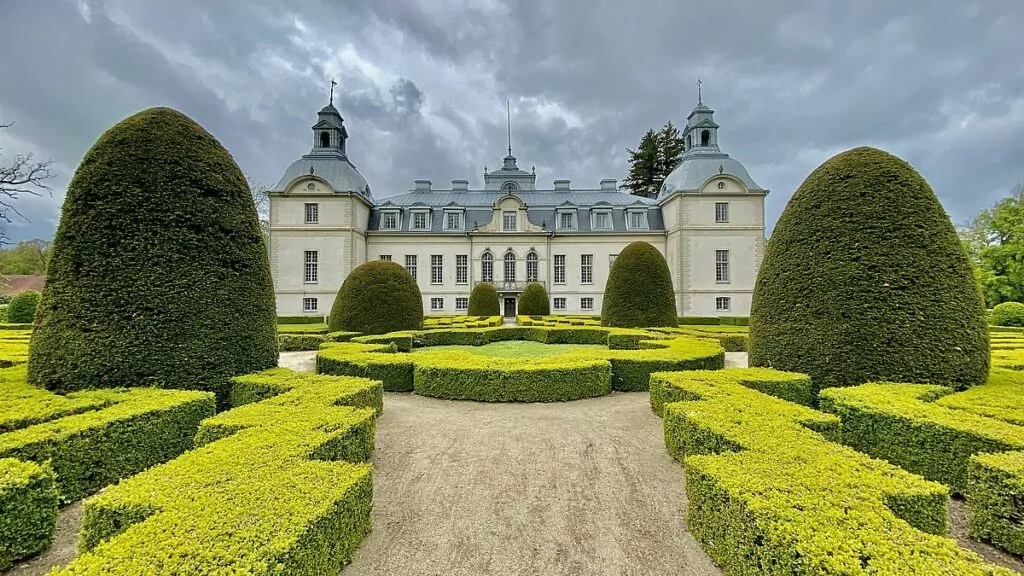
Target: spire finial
(508, 116)
(700, 98)
(333, 84)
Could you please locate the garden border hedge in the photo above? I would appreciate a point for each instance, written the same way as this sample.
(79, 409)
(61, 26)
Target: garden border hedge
(28, 509)
(995, 496)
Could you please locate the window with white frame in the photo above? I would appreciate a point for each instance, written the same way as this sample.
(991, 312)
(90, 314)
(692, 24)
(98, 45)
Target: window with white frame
(587, 268)
(723, 304)
(461, 269)
(436, 269)
(312, 272)
(722, 266)
(453, 220)
(309, 305)
(586, 303)
(385, 257)
(603, 220)
(611, 260)
(420, 220)
(559, 268)
(510, 267)
(721, 212)
(559, 303)
(462, 303)
(410, 265)
(487, 267)
(636, 219)
(508, 221)
(389, 221)
(532, 266)
(312, 213)
(566, 220)
(437, 303)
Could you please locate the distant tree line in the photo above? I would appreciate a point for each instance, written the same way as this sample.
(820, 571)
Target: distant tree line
(994, 239)
(25, 258)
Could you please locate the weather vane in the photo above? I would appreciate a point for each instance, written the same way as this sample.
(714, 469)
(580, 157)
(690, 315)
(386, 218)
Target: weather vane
(700, 99)
(333, 84)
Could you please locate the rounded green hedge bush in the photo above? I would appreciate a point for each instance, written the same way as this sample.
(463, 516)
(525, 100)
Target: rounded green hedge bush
(22, 309)
(483, 300)
(639, 292)
(534, 301)
(159, 273)
(865, 280)
(376, 298)
(1007, 314)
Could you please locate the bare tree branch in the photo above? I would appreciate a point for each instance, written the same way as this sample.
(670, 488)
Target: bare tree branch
(23, 176)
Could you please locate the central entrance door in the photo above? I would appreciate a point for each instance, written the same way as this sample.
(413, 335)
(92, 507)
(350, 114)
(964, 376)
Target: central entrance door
(510, 307)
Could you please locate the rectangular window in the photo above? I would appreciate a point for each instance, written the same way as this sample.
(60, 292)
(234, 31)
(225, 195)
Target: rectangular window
(419, 221)
(638, 220)
(559, 268)
(309, 305)
(385, 257)
(586, 303)
(312, 213)
(611, 260)
(602, 221)
(722, 266)
(461, 269)
(436, 269)
(437, 303)
(312, 272)
(462, 303)
(410, 264)
(587, 268)
(723, 303)
(531, 267)
(453, 221)
(721, 211)
(508, 222)
(559, 303)
(389, 221)
(566, 221)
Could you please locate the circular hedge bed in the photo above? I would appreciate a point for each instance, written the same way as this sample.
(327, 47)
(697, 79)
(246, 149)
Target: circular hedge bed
(626, 365)
(376, 298)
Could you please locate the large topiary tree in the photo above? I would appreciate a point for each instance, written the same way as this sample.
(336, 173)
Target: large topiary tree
(534, 301)
(376, 298)
(483, 300)
(639, 292)
(865, 280)
(22, 308)
(158, 274)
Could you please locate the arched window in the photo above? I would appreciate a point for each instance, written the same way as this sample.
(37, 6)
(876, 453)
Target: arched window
(509, 188)
(510, 266)
(487, 267)
(325, 140)
(531, 266)
(705, 137)
(689, 141)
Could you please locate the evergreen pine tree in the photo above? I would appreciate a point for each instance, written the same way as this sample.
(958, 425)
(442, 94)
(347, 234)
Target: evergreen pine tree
(653, 160)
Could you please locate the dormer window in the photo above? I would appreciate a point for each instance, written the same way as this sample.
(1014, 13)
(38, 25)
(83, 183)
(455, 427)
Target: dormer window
(636, 219)
(420, 220)
(390, 220)
(567, 220)
(602, 220)
(453, 220)
(508, 221)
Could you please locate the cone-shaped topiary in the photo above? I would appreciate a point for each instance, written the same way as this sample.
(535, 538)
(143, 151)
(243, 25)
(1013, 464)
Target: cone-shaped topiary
(865, 280)
(534, 301)
(376, 298)
(22, 308)
(639, 292)
(158, 275)
(483, 300)
(1005, 314)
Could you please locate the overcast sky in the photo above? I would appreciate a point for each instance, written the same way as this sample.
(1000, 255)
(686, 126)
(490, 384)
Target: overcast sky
(423, 84)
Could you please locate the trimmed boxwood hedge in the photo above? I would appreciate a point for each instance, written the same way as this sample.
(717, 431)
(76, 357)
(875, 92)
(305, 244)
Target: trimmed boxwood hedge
(28, 509)
(22, 309)
(865, 280)
(767, 489)
(483, 300)
(995, 496)
(639, 291)
(377, 297)
(1005, 314)
(534, 300)
(158, 274)
(268, 490)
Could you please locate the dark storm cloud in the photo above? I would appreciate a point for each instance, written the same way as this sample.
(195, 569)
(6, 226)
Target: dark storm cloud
(422, 84)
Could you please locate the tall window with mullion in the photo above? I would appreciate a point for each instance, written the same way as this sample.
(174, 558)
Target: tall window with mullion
(532, 267)
(508, 221)
(311, 273)
(487, 267)
(510, 267)
(461, 269)
(587, 268)
(721, 212)
(312, 213)
(436, 269)
(559, 268)
(410, 264)
(722, 266)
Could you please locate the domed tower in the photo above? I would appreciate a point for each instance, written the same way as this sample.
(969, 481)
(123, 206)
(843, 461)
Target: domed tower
(714, 219)
(319, 213)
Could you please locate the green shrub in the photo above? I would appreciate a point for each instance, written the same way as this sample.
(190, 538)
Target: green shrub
(699, 320)
(768, 490)
(3, 312)
(483, 300)
(28, 509)
(1007, 314)
(995, 496)
(376, 298)
(865, 280)
(158, 276)
(639, 291)
(789, 386)
(300, 320)
(268, 490)
(534, 301)
(22, 309)
(300, 342)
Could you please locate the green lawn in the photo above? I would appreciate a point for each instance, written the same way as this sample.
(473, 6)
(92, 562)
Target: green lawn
(515, 349)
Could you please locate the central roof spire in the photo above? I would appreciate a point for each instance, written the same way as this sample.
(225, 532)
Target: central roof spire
(700, 99)
(333, 84)
(508, 116)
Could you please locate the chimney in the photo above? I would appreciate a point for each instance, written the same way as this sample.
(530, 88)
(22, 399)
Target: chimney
(423, 186)
(460, 185)
(562, 185)
(609, 185)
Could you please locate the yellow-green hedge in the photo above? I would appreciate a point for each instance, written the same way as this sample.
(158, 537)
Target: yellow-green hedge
(769, 493)
(294, 342)
(267, 492)
(796, 388)
(28, 509)
(995, 495)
